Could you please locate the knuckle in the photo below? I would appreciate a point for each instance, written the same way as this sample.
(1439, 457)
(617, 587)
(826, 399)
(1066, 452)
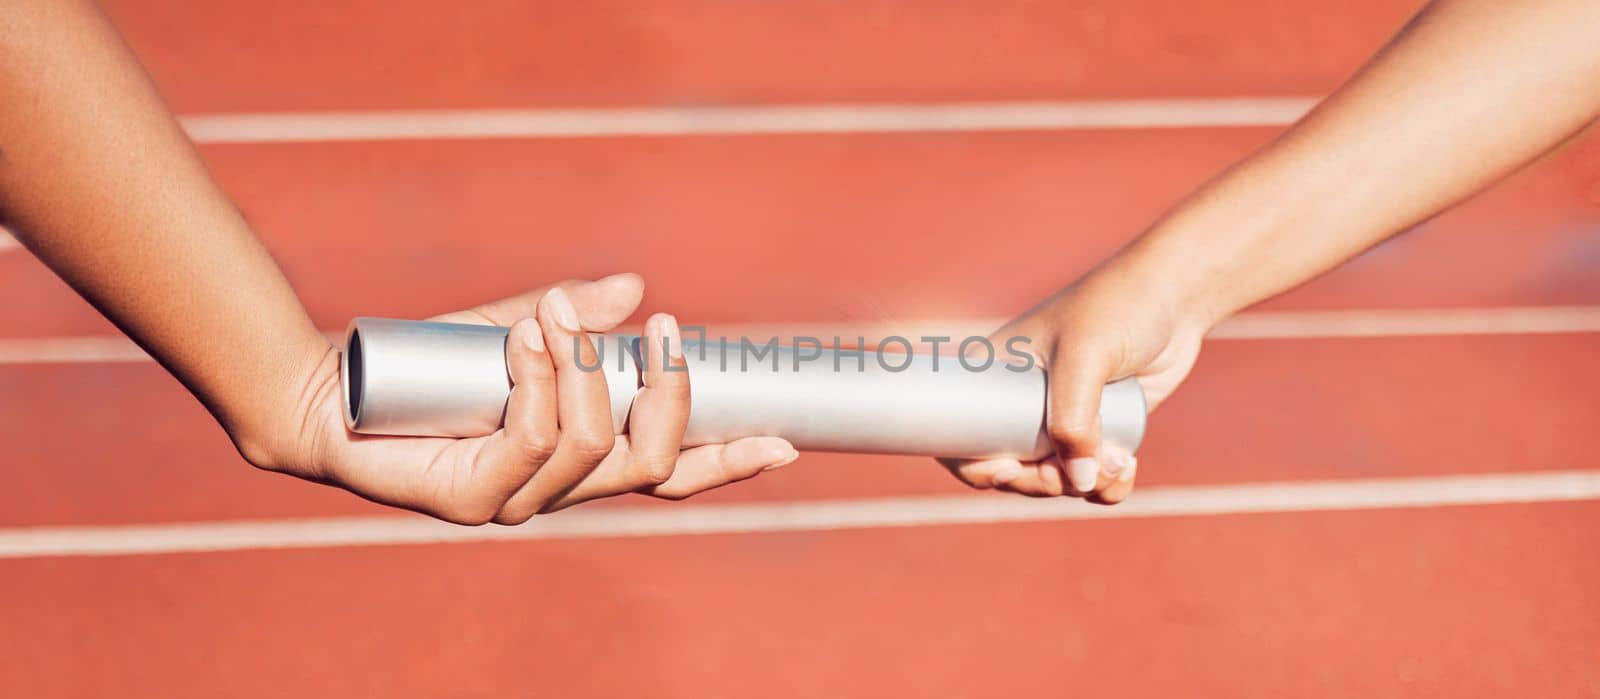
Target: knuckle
(591, 446)
(539, 445)
(1069, 432)
(648, 472)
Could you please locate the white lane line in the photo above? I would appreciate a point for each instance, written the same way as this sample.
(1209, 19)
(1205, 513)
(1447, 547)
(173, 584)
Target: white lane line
(818, 515)
(70, 350)
(1393, 323)
(1274, 325)
(1252, 325)
(776, 119)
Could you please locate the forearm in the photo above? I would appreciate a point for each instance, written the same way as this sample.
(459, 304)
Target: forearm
(100, 182)
(1468, 92)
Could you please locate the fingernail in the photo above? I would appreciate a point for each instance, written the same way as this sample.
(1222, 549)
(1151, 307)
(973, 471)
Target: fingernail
(782, 458)
(1113, 463)
(532, 336)
(1083, 472)
(669, 327)
(1132, 468)
(561, 307)
(1007, 473)
(653, 332)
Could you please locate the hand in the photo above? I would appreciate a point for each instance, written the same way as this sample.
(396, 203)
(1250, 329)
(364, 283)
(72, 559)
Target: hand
(556, 448)
(1114, 323)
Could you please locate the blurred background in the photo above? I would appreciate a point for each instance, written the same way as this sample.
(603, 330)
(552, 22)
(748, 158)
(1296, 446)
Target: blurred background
(1459, 353)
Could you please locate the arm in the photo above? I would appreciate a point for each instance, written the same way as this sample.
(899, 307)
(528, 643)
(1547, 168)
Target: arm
(1466, 93)
(100, 182)
(103, 186)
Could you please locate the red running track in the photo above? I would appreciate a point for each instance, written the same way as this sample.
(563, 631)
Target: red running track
(1489, 600)
(1463, 602)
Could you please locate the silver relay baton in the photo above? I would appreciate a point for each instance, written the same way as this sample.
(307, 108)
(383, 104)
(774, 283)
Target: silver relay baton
(422, 378)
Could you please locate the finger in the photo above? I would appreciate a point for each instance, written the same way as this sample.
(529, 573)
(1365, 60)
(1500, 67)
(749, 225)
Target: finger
(1073, 415)
(1041, 480)
(583, 411)
(646, 456)
(703, 468)
(983, 474)
(465, 481)
(1083, 474)
(611, 477)
(697, 470)
(1116, 483)
(511, 455)
(1069, 474)
(601, 304)
(660, 411)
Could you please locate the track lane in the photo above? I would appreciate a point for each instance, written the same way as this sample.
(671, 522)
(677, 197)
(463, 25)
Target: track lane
(369, 54)
(412, 229)
(1253, 411)
(1312, 605)
(1459, 602)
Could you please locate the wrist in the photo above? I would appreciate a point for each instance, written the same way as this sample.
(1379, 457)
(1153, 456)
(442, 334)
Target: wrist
(274, 433)
(1165, 276)
(1216, 252)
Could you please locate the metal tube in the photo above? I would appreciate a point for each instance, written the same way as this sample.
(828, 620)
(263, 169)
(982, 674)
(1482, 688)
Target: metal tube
(424, 378)
(427, 379)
